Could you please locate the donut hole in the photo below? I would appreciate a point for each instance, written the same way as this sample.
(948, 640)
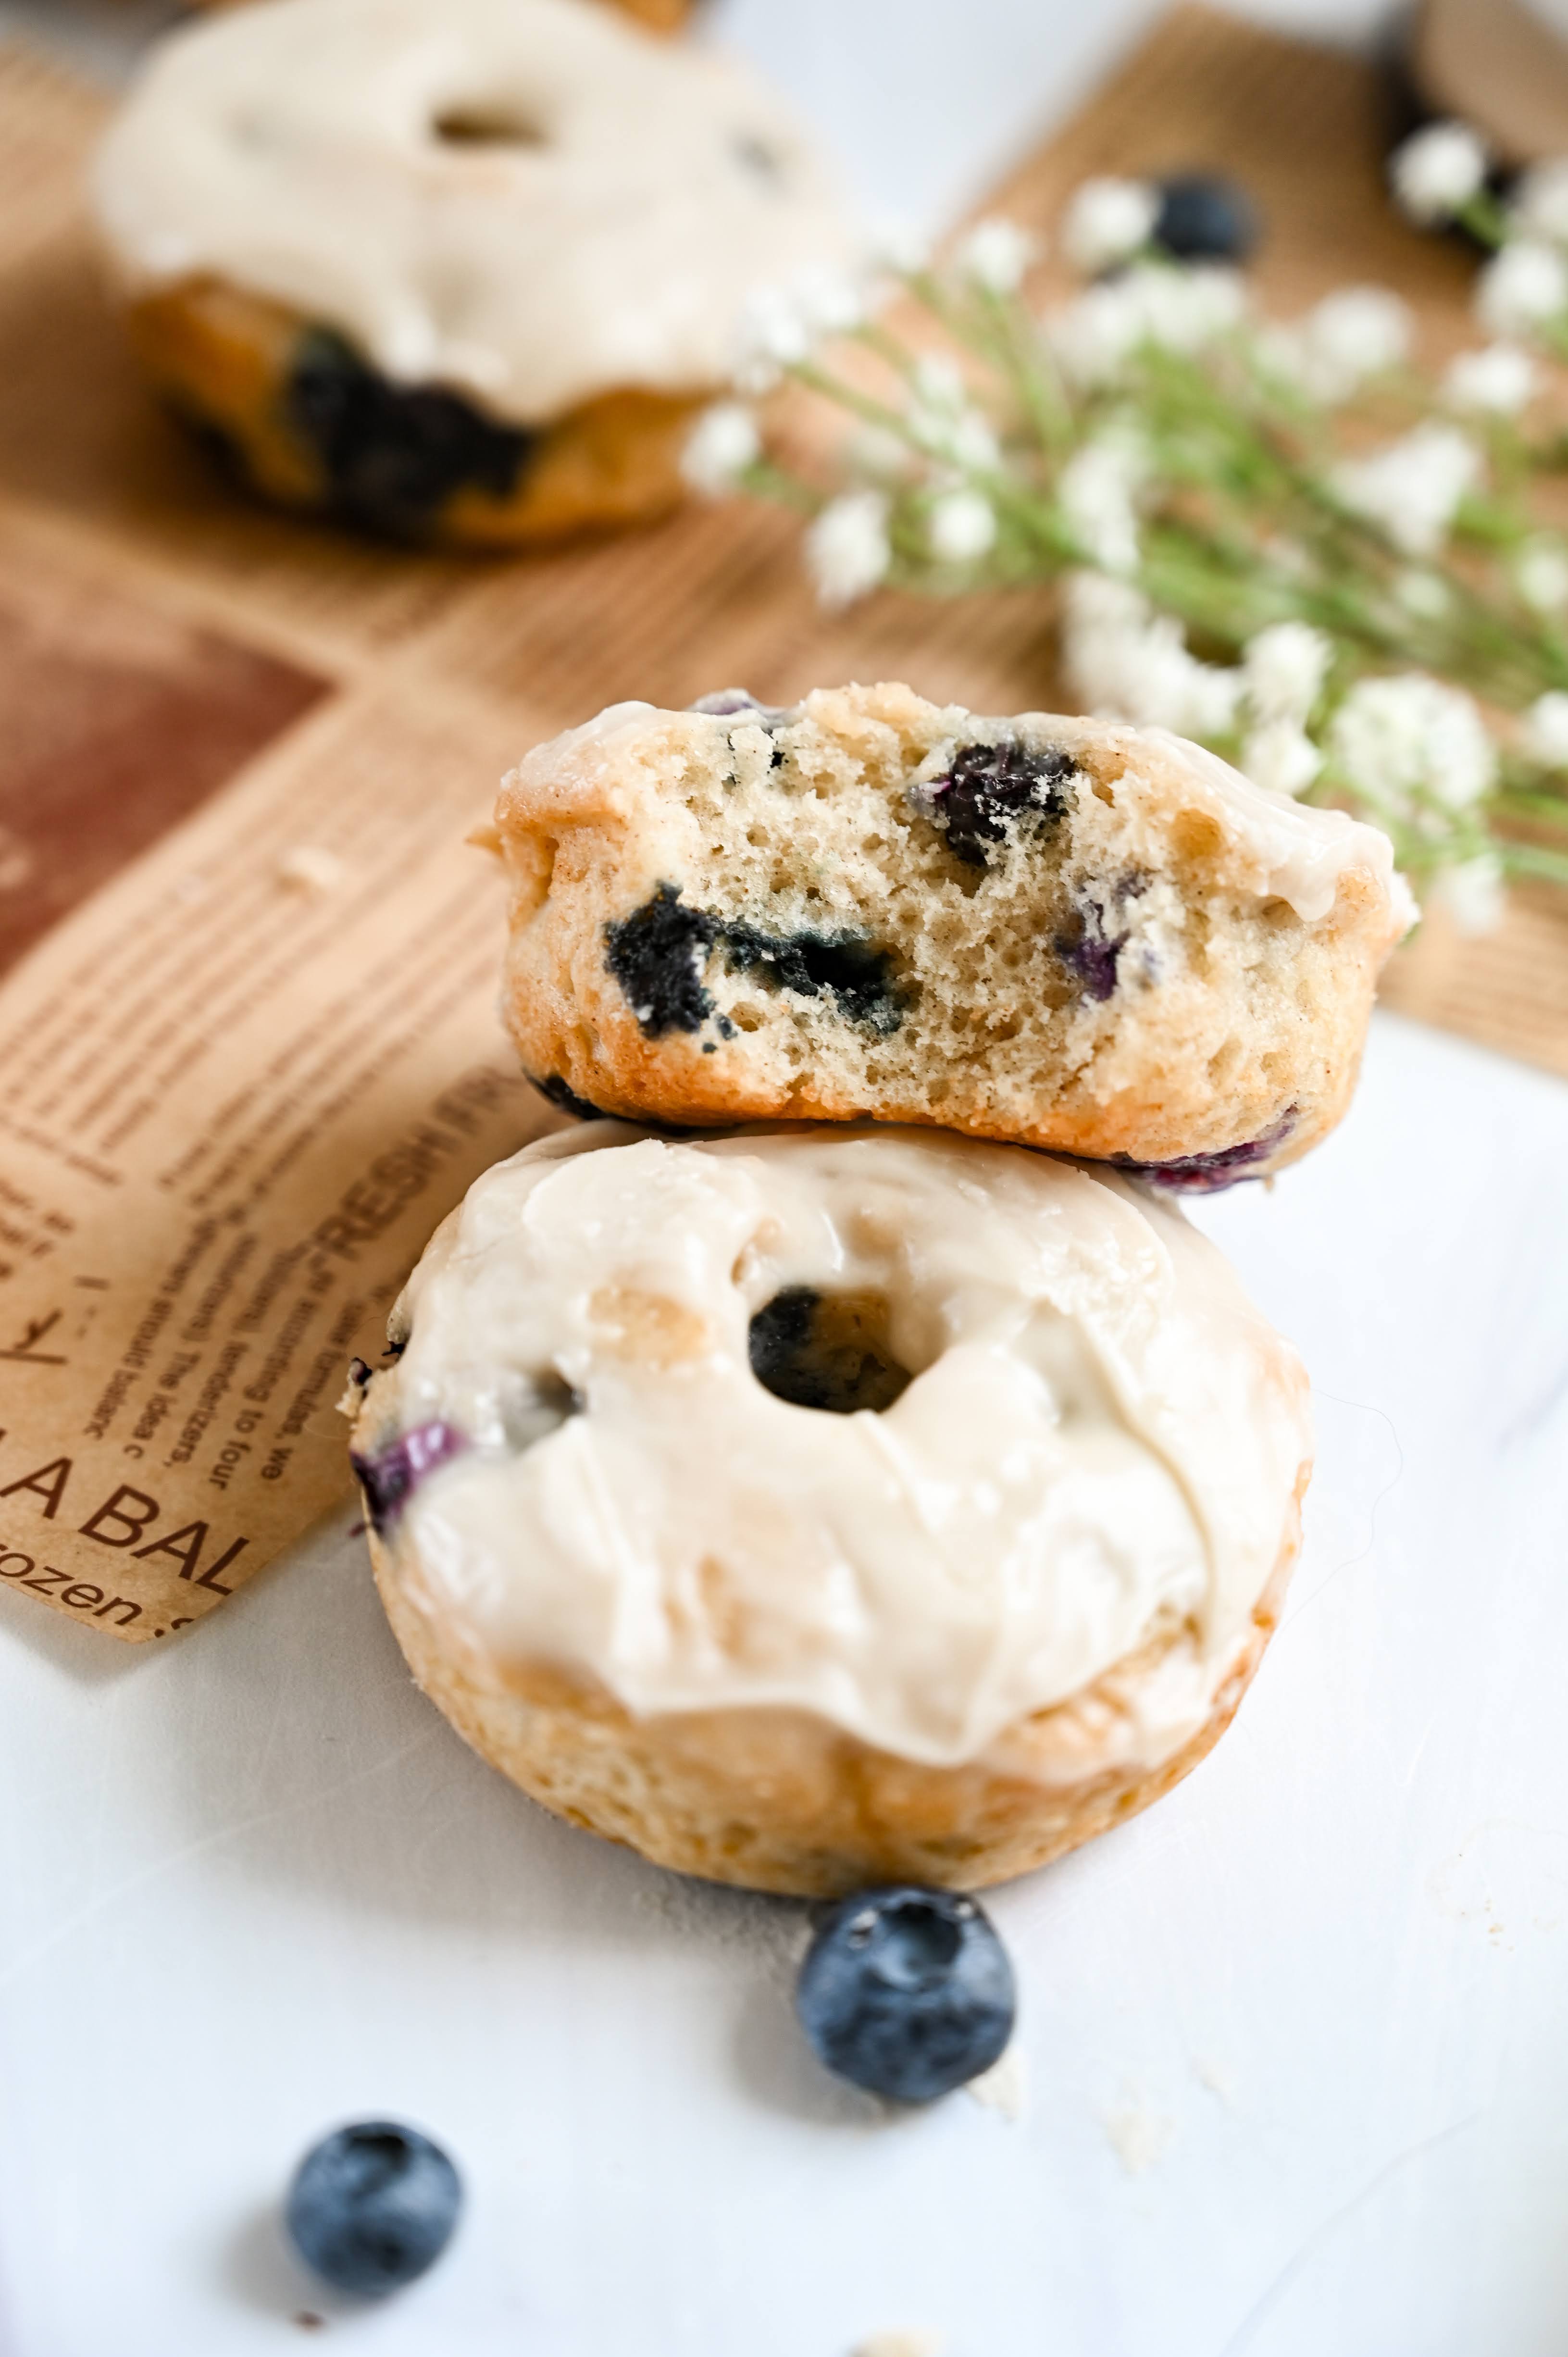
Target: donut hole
(827, 1350)
(535, 1405)
(498, 124)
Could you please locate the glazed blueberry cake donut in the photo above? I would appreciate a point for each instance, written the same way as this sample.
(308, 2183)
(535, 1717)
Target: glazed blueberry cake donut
(815, 1507)
(451, 270)
(1066, 933)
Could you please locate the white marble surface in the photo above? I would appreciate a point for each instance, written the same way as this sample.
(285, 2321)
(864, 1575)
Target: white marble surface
(1294, 2041)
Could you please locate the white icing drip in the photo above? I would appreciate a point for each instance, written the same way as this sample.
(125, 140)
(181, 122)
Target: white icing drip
(1100, 1430)
(1303, 851)
(296, 150)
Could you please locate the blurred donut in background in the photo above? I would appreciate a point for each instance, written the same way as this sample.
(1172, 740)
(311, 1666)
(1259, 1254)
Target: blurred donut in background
(453, 271)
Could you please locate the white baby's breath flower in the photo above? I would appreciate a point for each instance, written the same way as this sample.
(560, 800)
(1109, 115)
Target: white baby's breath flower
(1414, 487)
(996, 255)
(1473, 893)
(973, 443)
(876, 451)
(960, 527)
(1412, 741)
(771, 335)
(1280, 757)
(1499, 379)
(941, 422)
(1522, 287)
(1539, 202)
(1437, 171)
(827, 303)
(1095, 335)
(722, 445)
(847, 548)
(1425, 595)
(1285, 666)
(1097, 489)
(1545, 730)
(1098, 607)
(940, 382)
(1125, 662)
(1185, 309)
(1540, 574)
(1108, 220)
(1353, 334)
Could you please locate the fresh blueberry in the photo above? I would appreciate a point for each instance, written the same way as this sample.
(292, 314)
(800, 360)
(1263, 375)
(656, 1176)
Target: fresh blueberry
(1210, 1174)
(1203, 217)
(1091, 950)
(991, 787)
(372, 2206)
(390, 1475)
(906, 1992)
(1094, 937)
(845, 967)
(554, 1090)
(657, 955)
(394, 455)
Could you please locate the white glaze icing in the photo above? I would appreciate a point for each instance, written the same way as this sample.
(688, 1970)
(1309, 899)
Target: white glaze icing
(1301, 851)
(296, 150)
(1100, 1430)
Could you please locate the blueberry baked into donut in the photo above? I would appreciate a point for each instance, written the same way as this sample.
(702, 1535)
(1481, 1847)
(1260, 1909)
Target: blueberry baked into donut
(450, 270)
(814, 1507)
(1059, 933)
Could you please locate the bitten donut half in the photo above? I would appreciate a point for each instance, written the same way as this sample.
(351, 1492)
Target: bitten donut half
(1060, 932)
(455, 271)
(810, 1508)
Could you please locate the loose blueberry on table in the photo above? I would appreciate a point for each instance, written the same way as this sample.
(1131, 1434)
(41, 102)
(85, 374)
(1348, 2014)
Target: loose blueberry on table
(905, 1992)
(1203, 217)
(372, 2206)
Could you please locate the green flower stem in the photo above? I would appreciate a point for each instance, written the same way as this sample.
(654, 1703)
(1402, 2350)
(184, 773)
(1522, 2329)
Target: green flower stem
(1522, 801)
(1531, 859)
(1485, 218)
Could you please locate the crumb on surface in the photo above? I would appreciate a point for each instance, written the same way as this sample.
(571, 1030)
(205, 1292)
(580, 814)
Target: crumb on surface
(1216, 2077)
(1005, 2087)
(310, 869)
(1138, 2135)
